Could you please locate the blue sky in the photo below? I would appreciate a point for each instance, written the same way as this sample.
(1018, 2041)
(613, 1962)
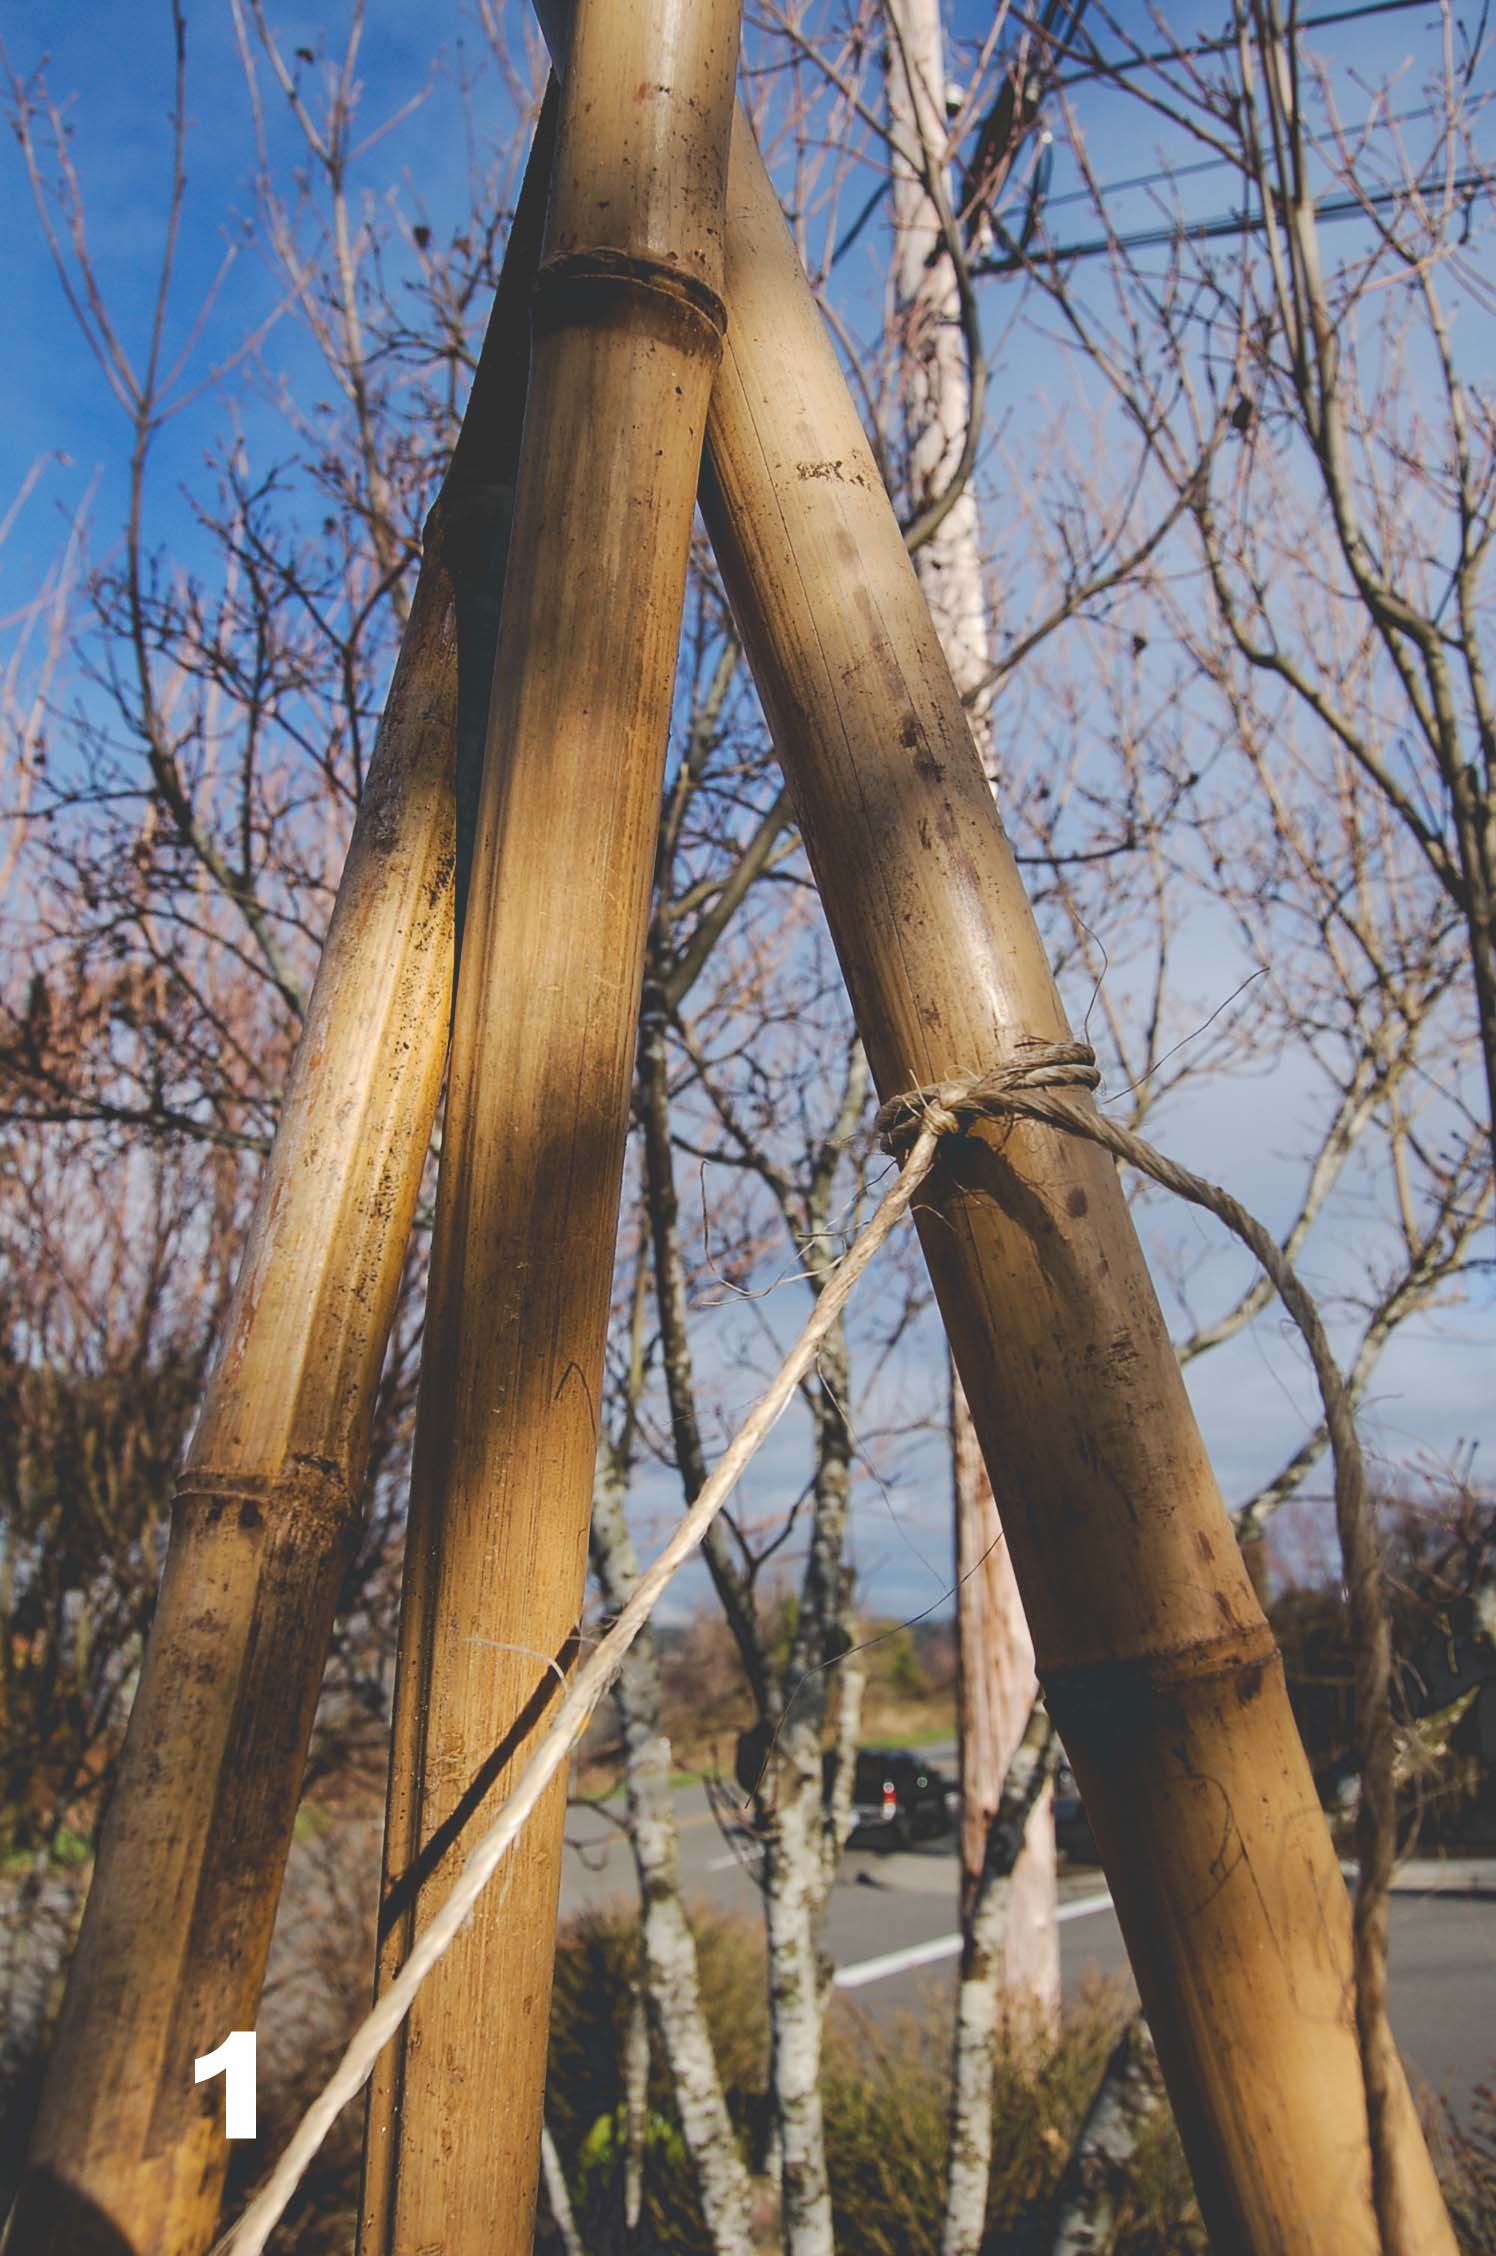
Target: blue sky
(113, 67)
(1433, 1391)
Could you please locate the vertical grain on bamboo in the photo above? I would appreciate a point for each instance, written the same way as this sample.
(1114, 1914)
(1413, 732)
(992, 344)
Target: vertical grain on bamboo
(128, 2153)
(627, 328)
(1157, 1662)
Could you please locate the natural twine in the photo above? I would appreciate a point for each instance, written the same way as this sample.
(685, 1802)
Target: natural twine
(1051, 1083)
(952, 1107)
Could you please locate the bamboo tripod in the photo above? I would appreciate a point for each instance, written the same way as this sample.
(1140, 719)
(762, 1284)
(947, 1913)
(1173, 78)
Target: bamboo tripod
(1155, 1657)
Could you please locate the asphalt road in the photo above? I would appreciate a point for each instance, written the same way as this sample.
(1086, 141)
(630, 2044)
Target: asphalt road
(891, 1929)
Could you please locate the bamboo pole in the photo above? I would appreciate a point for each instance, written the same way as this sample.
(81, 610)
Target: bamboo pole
(627, 330)
(1156, 1659)
(128, 2153)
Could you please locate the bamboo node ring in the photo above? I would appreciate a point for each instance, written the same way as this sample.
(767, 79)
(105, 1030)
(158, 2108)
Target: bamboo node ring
(305, 1504)
(576, 285)
(950, 1108)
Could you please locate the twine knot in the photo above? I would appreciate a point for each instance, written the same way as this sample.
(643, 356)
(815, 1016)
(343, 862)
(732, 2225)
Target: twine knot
(950, 1107)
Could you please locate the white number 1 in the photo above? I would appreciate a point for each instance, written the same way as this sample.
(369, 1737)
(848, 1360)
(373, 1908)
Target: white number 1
(235, 2062)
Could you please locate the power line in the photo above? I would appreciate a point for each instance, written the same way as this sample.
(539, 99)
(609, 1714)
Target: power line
(1166, 175)
(1170, 173)
(1229, 223)
(1087, 74)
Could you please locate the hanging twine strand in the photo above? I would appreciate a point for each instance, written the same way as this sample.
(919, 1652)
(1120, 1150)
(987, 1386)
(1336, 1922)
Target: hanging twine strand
(1050, 1083)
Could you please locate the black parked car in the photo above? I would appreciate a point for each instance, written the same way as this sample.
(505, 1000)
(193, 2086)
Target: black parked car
(897, 1798)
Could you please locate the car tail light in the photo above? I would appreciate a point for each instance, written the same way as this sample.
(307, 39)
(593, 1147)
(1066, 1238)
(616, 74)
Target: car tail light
(890, 1797)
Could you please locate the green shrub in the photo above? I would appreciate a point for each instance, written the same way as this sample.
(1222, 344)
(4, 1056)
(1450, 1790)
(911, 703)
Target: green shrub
(885, 2089)
(883, 2097)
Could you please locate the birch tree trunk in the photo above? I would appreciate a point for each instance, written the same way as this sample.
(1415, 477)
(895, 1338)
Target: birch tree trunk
(627, 326)
(935, 380)
(791, 1827)
(669, 1946)
(1128, 2102)
(562, 2214)
(635, 2110)
(996, 1684)
(799, 1831)
(128, 2153)
(978, 2027)
(996, 1654)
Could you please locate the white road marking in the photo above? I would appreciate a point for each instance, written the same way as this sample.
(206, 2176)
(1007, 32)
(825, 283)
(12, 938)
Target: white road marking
(896, 1962)
(945, 1946)
(1082, 1906)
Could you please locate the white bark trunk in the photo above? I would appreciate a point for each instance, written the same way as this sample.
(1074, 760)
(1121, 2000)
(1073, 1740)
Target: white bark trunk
(1128, 2100)
(851, 1684)
(937, 392)
(997, 1658)
(973, 2067)
(997, 1688)
(669, 1946)
(792, 1901)
(636, 2111)
(802, 1840)
(557, 2195)
(978, 2010)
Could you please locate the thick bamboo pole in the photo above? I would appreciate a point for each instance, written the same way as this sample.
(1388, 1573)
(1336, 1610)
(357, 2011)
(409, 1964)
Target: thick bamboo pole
(128, 2153)
(627, 333)
(1156, 1659)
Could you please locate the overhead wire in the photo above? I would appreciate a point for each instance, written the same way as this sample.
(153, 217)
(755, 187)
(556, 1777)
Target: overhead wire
(1166, 174)
(1087, 73)
(1227, 223)
(1221, 225)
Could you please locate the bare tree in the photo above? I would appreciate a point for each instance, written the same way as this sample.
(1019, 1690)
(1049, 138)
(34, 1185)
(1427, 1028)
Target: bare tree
(669, 1947)
(782, 1760)
(1318, 420)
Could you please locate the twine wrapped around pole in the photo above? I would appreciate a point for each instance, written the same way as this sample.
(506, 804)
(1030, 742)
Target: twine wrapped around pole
(1159, 1666)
